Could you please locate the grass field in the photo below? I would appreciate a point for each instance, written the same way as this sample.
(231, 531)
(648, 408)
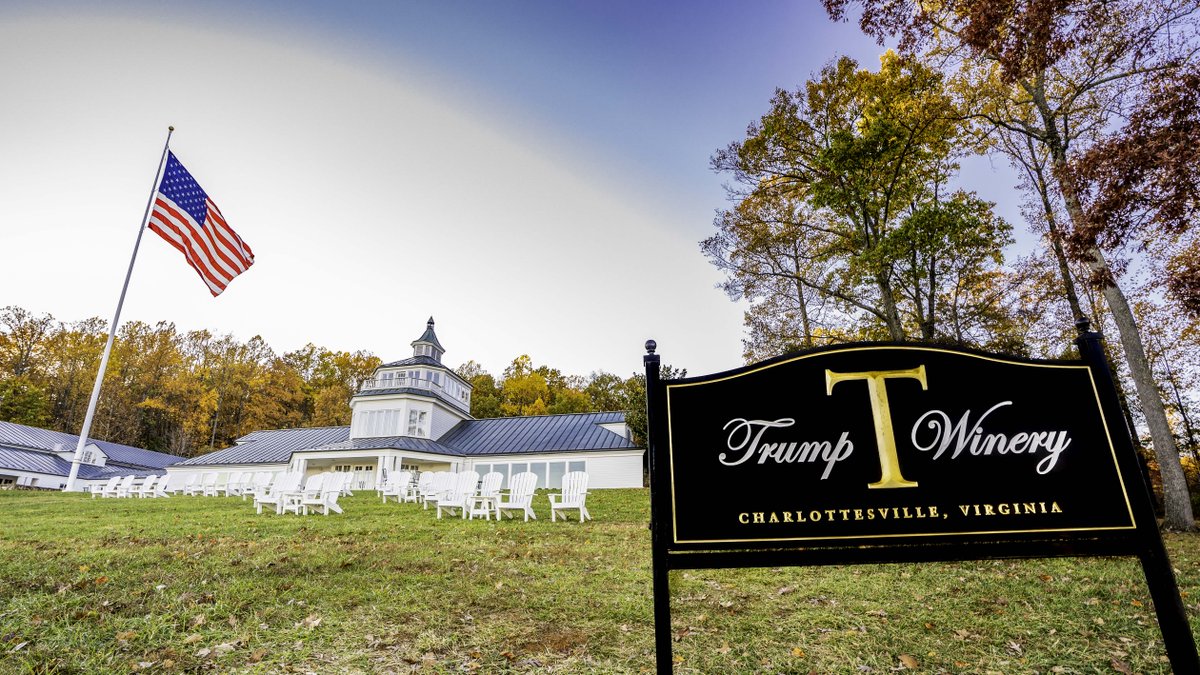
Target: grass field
(203, 584)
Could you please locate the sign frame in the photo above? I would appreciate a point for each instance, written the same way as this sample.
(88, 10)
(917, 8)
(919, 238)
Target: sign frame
(1139, 538)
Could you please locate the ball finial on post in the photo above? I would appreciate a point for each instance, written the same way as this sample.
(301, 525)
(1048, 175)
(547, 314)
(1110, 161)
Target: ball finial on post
(651, 345)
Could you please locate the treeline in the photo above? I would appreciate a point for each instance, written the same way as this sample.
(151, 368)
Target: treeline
(192, 392)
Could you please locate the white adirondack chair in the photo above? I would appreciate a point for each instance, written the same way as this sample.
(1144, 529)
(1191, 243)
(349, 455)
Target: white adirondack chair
(424, 482)
(110, 485)
(484, 503)
(208, 484)
(146, 489)
(294, 501)
(273, 495)
(325, 499)
(170, 483)
(413, 492)
(441, 482)
(193, 486)
(258, 485)
(519, 497)
(233, 484)
(123, 487)
(216, 485)
(574, 492)
(163, 486)
(396, 486)
(459, 495)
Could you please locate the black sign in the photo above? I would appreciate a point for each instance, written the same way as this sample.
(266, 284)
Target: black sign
(877, 442)
(889, 453)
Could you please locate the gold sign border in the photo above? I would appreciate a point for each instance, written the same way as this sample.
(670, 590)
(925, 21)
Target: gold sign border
(1081, 366)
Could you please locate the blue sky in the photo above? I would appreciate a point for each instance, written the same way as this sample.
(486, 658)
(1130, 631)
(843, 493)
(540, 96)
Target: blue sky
(533, 174)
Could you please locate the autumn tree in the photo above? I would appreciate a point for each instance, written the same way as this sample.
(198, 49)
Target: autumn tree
(844, 227)
(1059, 76)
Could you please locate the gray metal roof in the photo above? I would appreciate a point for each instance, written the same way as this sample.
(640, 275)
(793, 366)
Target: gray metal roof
(497, 436)
(416, 361)
(272, 446)
(22, 436)
(396, 442)
(37, 461)
(544, 433)
(429, 336)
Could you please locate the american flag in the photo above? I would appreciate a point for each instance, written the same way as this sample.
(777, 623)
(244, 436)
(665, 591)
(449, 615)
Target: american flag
(190, 221)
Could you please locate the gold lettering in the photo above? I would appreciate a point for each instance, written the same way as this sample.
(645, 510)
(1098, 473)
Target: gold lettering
(787, 516)
(1003, 509)
(965, 508)
(885, 438)
(907, 515)
(744, 518)
(758, 517)
(933, 512)
(845, 514)
(829, 513)
(858, 514)
(814, 516)
(774, 518)
(987, 510)
(1054, 508)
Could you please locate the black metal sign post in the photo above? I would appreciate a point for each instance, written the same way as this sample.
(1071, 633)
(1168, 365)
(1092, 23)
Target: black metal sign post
(875, 453)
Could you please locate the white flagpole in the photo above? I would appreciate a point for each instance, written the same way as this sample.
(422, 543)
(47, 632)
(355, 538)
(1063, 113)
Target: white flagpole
(112, 329)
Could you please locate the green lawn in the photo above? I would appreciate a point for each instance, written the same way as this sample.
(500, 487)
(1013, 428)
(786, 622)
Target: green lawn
(194, 584)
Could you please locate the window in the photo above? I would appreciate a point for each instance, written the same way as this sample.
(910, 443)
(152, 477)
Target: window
(385, 380)
(576, 466)
(539, 470)
(342, 467)
(380, 423)
(483, 469)
(416, 423)
(502, 469)
(519, 468)
(557, 469)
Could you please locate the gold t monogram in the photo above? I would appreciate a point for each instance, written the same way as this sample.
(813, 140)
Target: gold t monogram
(885, 439)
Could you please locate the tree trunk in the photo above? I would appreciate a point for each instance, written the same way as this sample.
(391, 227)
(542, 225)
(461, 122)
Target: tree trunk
(1177, 505)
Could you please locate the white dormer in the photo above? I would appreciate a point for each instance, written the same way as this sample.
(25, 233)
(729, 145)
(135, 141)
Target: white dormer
(92, 454)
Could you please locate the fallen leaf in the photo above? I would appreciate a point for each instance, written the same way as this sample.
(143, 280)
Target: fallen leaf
(19, 647)
(199, 620)
(310, 621)
(785, 590)
(126, 635)
(909, 661)
(193, 638)
(101, 580)
(508, 655)
(797, 652)
(1121, 667)
(203, 653)
(257, 655)
(724, 648)
(223, 648)
(84, 568)
(1135, 603)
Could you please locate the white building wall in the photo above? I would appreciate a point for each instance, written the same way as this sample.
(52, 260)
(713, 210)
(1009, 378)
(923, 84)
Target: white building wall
(443, 421)
(619, 469)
